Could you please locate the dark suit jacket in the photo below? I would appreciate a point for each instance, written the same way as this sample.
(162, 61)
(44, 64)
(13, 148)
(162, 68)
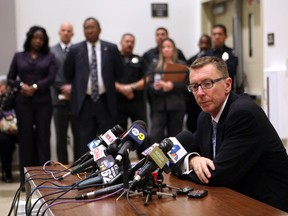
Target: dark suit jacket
(250, 157)
(76, 71)
(60, 78)
(41, 71)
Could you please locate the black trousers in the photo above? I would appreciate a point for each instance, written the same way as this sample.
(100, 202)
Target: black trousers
(165, 124)
(7, 147)
(62, 119)
(34, 122)
(135, 110)
(93, 120)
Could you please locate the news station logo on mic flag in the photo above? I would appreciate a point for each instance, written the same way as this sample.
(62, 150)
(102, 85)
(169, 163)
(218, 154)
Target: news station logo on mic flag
(109, 137)
(93, 144)
(136, 133)
(177, 151)
(158, 157)
(105, 162)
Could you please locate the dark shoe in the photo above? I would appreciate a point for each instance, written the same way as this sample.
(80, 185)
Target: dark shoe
(7, 177)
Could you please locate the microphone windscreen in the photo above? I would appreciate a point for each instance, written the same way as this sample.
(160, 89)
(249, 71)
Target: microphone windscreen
(141, 123)
(185, 138)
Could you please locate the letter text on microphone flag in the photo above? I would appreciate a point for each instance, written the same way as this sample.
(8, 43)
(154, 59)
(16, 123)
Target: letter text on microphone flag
(158, 157)
(177, 151)
(109, 137)
(105, 162)
(99, 152)
(109, 170)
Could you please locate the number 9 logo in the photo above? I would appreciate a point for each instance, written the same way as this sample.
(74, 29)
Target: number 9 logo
(141, 136)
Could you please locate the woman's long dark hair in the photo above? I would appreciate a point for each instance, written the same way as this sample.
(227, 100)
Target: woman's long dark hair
(27, 44)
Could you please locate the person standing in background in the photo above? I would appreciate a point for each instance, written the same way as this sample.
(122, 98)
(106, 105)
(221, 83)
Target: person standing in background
(220, 50)
(129, 85)
(33, 72)
(61, 91)
(152, 55)
(192, 108)
(167, 100)
(7, 141)
(91, 67)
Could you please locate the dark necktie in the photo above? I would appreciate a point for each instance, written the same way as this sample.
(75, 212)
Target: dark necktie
(214, 125)
(66, 49)
(94, 76)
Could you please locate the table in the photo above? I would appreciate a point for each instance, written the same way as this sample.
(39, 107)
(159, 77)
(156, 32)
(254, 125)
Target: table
(220, 201)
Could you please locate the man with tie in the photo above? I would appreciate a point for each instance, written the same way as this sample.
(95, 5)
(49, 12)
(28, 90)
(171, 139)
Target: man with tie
(235, 145)
(91, 67)
(60, 92)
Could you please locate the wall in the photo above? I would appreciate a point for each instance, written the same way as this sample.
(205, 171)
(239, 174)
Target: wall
(275, 67)
(8, 34)
(116, 17)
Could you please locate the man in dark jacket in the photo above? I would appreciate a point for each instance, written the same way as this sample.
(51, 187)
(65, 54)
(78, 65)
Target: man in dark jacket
(235, 144)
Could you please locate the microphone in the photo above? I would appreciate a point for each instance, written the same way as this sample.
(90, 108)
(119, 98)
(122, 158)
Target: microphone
(177, 152)
(98, 149)
(157, 158)
(134, 137)
(107, 138)
(182, 143)
(109, 173)
(110, 177)
(99, 192)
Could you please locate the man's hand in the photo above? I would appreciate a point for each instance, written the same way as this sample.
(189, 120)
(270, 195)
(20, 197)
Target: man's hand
(125, 89)
(201, 165)
(66, 90)
(27, 90)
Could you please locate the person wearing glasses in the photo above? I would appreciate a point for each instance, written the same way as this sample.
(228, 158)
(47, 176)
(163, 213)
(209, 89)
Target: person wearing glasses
(235, 145)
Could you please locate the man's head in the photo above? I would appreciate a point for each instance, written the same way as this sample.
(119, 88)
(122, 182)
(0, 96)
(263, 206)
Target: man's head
(160, 34)
(211, 72)
(92, 29)
(219, 35)
(66, 32)
(127, 44)
(205, 42)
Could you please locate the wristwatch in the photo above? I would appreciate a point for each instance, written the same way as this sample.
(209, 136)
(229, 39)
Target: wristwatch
(35, 86)
(133, 86)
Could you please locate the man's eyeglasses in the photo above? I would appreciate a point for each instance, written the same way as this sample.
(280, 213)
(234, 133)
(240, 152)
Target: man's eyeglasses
(193, 87)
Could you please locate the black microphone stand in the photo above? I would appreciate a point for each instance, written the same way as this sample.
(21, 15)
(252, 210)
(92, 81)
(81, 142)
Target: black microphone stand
(125, 163)
(150, 185)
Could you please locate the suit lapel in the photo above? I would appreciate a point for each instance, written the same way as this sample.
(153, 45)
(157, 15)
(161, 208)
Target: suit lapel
(60, 51)
(83, 55)
(221, 126)
(104, 50)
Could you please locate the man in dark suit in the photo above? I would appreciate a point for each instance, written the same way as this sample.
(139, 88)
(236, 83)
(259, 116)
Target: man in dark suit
(60, 93)
(243, 151)
(93, 96)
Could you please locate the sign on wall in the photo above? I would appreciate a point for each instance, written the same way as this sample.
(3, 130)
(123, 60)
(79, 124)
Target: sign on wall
(159, 10)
